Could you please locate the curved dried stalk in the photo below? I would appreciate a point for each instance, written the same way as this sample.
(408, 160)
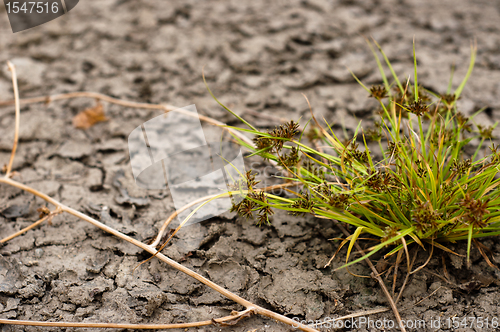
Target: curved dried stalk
(425, 298)
(33, 225)
(213, 321)
(167, 222)
(156, 242)
(407, 277)
(481, 247)
(426, 262)
(12, 69)
(399, 257)
(125, 103)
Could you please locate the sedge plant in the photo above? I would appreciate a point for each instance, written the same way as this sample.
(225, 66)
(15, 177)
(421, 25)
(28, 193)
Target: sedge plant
(418, 186)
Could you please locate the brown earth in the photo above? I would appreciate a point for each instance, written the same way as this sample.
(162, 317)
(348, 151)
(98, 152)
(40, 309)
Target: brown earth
(259, 56)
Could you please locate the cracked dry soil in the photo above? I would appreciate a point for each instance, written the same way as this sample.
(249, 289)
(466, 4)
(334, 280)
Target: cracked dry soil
(259, 56)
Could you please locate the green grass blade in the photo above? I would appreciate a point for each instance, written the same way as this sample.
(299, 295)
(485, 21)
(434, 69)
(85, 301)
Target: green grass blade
(473, 52)
(415, 66)
(380, 68)
(390, 67)
(452, 71)
(469, 242)
(224, 106)
(354, 238)
(378, 247)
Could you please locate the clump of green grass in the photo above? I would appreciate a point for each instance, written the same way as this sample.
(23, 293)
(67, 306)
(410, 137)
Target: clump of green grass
(418, 187)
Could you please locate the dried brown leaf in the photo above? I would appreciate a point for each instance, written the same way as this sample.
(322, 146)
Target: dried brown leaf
(89, 117)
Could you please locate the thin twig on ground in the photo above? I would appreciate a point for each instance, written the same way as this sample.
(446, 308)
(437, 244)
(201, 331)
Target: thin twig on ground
(125, 103)
(162, 230)
(425, 298)
(33, 225)
(408, 273)
(394, 279)
(214, 321)
(12, 69)
(426, 262)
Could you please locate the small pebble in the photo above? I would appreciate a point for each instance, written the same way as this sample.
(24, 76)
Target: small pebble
(38, 253)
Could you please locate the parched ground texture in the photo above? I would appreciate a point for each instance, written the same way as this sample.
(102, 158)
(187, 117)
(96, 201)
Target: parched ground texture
(259, 56)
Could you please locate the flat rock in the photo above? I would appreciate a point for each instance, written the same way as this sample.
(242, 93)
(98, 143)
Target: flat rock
(75, 150)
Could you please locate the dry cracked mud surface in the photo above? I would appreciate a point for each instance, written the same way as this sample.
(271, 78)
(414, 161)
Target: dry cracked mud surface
(259, 57)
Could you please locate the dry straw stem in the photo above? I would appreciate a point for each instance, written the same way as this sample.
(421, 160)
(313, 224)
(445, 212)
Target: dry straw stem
(33, 225)
(227, 320)
(12, 69)
(167, 222)
(201, 200)
(163, 228)
(250, 307)
(125, 103)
